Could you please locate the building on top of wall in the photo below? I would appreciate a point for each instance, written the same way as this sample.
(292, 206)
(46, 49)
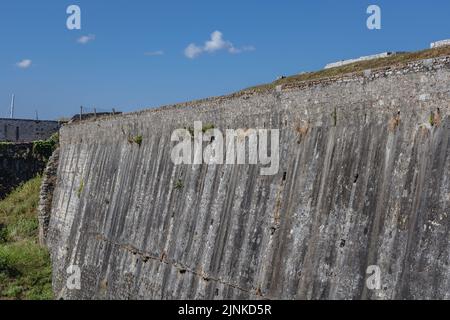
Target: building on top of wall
(20, 130)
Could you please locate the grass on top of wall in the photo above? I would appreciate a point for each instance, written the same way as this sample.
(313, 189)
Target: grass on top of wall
(25, 270)
(357, 67)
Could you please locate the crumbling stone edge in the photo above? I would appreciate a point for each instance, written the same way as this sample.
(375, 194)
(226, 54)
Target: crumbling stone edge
(46, 196)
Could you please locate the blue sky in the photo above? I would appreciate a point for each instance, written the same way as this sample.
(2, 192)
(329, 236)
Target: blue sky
(137, 59)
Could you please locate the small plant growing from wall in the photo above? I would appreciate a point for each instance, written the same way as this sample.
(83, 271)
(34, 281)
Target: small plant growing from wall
(179, 185)
(437, 118)
(431, 119)
(80, 189)
(302, 130)
(334, 115)
(207, 127)
(394, 122)
(138, 140)
(190, 130)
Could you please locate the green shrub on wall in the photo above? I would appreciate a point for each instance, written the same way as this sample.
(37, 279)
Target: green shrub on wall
(138, 140)
(4, 145)
(45, 148)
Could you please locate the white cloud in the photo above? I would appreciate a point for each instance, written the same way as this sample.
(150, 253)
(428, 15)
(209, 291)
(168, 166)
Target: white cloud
(216, 43)
(192, 51)
(154, 53)
(240, 50)
(86, 39)
(24, 64)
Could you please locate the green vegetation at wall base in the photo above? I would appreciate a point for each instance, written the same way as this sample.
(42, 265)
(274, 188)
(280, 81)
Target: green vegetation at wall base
(25, 269)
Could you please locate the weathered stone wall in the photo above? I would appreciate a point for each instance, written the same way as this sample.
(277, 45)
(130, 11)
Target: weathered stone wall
(16, 130)
(46, 195)
(364, 180)
(18, 164)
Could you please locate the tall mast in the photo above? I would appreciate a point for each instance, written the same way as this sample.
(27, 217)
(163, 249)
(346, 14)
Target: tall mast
(12, 107)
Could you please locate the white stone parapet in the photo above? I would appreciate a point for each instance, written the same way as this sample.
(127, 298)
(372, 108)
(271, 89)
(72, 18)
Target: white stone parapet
(439, 44)
(365, 58)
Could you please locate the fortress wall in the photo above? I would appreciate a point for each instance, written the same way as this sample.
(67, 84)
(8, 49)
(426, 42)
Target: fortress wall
(16, 130)
(364, 180)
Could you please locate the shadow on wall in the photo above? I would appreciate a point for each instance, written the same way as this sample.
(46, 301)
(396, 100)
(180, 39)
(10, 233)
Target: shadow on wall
(22, 162)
